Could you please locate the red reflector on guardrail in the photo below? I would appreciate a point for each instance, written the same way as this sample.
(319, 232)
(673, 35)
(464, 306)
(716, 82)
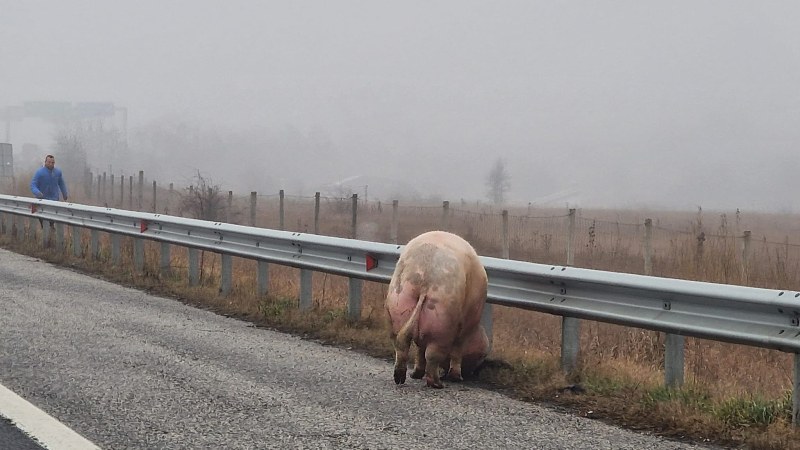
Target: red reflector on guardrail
(143, 226)
(372, 262)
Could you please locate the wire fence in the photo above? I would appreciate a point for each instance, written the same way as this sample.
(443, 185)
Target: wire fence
(756, 249)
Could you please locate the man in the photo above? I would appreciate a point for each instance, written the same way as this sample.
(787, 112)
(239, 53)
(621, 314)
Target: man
(48, 181)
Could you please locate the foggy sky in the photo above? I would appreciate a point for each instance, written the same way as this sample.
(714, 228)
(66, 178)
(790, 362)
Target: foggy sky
(622, 103)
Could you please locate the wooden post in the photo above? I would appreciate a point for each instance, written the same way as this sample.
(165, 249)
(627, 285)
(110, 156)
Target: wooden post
(354, 222)
(393, 234)
(648, 246)
(253, 209)
(281, 211)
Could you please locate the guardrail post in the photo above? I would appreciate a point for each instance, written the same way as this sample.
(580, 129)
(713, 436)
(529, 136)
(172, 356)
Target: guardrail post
(316, 213)
(354, 221)
(648, 246)
(165, 259)
(796, 392)
(253, 208)
(194, 267)
(18, 227)
(393, 232)
(75, 233)
(570, 343)
(445, 223)
(45, 232)
(3, 222)
(354, 299)
(59, 236)
(227, 270)
(281, 210)
(673, 360)
(94, 243)
(263, 278)
(116, 256)
(138, 255)
(305, 289)
(31, 232)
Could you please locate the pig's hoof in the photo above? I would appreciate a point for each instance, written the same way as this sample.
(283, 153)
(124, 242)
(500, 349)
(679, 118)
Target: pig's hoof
(453, 375)
(417, 374)
(399, 376)
(436, 384)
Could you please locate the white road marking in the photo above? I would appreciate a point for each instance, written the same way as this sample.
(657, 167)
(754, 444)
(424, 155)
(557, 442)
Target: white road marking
(47, 431)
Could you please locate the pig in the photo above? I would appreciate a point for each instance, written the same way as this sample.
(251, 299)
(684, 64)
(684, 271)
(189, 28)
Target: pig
(435, 299)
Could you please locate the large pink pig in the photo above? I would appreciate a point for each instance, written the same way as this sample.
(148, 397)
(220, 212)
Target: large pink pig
(435, 299)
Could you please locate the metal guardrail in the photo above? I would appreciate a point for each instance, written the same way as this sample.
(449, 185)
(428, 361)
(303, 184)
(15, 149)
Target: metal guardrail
(764, 318)
(759, 317)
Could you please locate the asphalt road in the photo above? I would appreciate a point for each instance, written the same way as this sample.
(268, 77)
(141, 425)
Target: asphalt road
(129, 370)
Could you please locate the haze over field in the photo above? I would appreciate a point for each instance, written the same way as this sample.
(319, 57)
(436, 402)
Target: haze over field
(596, 103)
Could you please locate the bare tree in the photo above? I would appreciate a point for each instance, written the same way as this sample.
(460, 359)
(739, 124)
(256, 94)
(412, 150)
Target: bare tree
(203, 199)
(498, 182)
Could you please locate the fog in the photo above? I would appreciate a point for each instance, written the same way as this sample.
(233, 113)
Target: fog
(673, 104)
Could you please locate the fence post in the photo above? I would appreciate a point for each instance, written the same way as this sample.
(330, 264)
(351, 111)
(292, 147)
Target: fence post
(746, 256)
(99, 188)
(155, 209)
(227, 271)
(281, 210)
(111, 185)
(445, 216)
(130, 192)
(230, 206)
(88, 179)
(122, 191)
(141, 189)
(393, 236)
(570, 326)
(506, 250)
(354, 223)
(316, 213)
(253, 209)
(648, 246)
(194, 266)
(571, 237)
(103, 189)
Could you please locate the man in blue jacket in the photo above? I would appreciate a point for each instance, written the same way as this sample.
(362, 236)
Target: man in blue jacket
(48, 181)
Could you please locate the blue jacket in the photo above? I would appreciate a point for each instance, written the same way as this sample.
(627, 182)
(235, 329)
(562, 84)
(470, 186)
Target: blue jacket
(47, 184)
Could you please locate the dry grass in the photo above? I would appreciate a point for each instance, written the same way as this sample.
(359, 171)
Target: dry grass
(733, 394)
